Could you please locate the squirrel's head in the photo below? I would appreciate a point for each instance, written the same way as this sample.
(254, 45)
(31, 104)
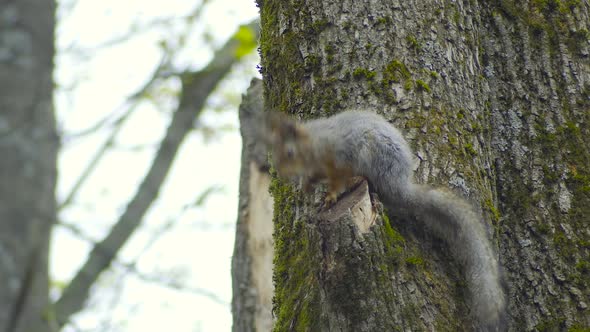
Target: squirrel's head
(289, 144)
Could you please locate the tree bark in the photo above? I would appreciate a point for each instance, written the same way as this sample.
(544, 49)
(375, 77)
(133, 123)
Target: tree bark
(494, 97)
(253, 250)
(28, 150)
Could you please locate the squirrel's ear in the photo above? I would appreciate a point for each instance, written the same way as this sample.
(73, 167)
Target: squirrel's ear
(266, 128)
(282, 125)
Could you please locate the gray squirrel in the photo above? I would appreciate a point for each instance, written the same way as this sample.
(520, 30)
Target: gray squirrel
(362, 143)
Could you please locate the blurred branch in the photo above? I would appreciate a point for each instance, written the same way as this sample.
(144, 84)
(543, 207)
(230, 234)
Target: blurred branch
(138, 28)
(117, 125)
(134, 148)
(196, 87)
(166, 227)
(157, 234)
(161, 71)
(177, 286)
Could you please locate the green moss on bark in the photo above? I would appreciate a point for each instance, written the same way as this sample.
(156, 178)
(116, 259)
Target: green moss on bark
(296, 298)
(548, 17)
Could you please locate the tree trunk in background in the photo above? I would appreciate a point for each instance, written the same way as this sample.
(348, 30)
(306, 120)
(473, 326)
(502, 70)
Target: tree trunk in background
(494, 97)
(28, 150)
(253, 250)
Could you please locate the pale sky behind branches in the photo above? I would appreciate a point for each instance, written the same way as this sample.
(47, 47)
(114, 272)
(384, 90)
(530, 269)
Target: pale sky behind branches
(95, 82)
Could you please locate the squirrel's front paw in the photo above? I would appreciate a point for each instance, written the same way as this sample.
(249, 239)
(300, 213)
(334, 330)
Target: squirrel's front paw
(331, 199)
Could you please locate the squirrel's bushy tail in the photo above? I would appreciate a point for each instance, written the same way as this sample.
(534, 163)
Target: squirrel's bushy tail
(454, 221)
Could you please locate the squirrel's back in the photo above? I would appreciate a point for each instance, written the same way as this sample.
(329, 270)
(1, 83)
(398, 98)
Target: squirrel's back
(376, 149)
(365, 141)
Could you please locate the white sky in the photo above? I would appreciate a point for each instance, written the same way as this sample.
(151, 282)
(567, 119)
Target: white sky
(198, 250)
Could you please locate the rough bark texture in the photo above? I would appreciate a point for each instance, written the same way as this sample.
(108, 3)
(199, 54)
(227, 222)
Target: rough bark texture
(28, 150)
(494, 97)
(253, 250)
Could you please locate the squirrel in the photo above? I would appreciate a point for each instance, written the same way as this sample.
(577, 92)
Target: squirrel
(362, 143)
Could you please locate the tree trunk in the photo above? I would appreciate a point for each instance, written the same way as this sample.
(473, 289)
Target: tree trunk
(253, 250)
(494, 98)
(28, 150)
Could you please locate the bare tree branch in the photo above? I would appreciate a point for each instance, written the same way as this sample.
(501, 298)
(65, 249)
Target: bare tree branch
(175, 285)
(196, 87)
(117, 125)
(157, 234)
(140, 28)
